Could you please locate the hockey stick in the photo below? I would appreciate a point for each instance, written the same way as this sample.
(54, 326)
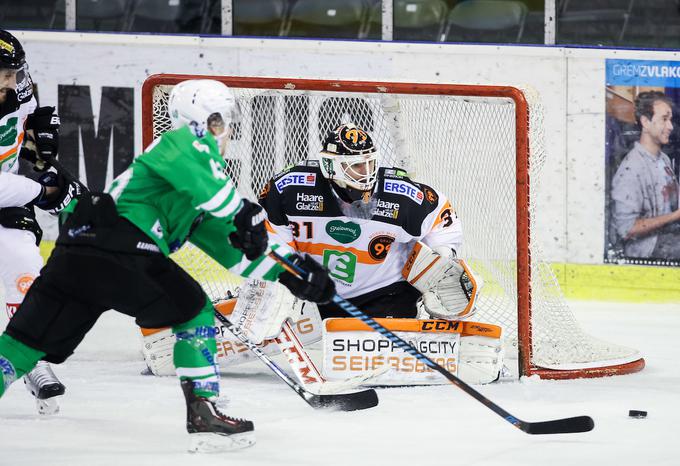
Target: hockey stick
(557, 426)
(341, 402)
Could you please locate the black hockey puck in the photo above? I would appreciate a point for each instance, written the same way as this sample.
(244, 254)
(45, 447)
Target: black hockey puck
(637, 414)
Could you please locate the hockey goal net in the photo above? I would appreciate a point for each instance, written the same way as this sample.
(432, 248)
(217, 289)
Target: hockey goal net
(481, 145)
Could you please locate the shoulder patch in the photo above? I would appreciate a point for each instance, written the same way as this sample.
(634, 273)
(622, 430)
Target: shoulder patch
(403, 188)
(295, 179)
(431, 195)
(312, 163)
(265, 190)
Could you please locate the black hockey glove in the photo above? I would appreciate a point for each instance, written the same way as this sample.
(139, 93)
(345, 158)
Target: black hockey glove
(250, 235)
(317, 286)
(44, 124)
(21, 218)
(57, 200)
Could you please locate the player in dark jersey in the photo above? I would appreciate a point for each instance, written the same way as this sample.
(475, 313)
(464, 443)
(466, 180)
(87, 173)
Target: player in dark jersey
(362, 223)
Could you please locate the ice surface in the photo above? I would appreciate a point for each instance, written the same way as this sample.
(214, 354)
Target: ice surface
(113, 416)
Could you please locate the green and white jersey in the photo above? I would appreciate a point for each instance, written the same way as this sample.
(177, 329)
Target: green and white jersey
(178, 178)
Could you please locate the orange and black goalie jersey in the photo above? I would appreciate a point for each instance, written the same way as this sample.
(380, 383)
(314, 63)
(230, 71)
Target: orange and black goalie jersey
(362, 254)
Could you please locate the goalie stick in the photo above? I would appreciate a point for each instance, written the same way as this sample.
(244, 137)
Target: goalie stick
(341, 402)
(556, 426)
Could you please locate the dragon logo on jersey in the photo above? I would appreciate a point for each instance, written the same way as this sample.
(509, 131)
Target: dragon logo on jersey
(431, 196)
(343, 232)
(8, 132)
(295, 179)
(265, 190)
(404, 189)
(341, 264)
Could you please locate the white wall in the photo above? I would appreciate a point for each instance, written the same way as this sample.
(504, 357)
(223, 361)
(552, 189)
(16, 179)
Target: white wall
(570, 81)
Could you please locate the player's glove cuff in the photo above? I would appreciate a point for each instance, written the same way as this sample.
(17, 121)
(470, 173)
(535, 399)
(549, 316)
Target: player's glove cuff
(317, 286)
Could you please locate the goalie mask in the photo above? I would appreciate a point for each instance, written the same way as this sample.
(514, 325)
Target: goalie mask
(203, 104)
(12, 64)
(349, 159)
(12, 55)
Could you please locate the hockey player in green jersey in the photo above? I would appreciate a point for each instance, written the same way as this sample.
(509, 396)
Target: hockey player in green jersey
(112, 253)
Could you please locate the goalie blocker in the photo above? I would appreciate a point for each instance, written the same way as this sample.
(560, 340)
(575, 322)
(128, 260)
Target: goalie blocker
(472, 351)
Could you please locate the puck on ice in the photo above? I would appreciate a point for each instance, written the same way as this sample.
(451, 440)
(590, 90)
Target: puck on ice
(637, 414)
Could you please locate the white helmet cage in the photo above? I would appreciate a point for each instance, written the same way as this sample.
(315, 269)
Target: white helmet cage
(200, 103)
(349, 158)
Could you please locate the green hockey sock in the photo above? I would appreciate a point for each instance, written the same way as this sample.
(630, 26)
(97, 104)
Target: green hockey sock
(16, 359)
(194, 354)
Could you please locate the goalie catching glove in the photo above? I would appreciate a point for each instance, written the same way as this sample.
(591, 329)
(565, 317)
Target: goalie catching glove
(449, 287)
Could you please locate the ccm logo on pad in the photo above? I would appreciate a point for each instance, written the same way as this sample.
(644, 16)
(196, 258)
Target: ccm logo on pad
(298, 179)
(404, 189)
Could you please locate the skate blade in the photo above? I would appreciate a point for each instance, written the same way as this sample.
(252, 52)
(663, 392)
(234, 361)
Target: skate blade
(216, 443)
(48, 407)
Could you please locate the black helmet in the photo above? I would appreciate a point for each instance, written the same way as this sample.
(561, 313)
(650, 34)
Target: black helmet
(346, 149)
(12, 54)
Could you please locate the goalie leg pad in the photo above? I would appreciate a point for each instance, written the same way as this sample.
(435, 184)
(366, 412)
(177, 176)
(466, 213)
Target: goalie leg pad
(262, 308)
(157, 344)
(481, 359)
(470, 350)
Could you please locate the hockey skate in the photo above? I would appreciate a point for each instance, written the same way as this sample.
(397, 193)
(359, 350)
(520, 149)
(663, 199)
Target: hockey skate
(210, 430)
(45, 387)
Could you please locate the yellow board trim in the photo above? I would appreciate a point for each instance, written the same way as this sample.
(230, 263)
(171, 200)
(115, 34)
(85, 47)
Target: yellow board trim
(623, 283)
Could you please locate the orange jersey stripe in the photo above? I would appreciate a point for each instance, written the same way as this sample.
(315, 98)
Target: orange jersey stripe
(14, 149)
(318, 249)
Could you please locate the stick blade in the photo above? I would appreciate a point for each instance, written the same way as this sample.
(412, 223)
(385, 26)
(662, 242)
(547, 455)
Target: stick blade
(569, 425)
(345, 402)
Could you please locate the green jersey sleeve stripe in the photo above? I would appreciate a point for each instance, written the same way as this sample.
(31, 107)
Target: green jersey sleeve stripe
(232, 207)
(218, 199)
(264, 267)
(253, 265)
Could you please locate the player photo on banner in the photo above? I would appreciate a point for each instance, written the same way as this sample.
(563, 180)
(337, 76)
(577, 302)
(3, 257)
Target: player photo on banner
(642, 161)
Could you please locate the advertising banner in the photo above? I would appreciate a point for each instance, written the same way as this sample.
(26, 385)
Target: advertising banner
(642, 155)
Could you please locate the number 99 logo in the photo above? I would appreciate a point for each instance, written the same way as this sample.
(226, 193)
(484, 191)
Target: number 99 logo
(379, 247)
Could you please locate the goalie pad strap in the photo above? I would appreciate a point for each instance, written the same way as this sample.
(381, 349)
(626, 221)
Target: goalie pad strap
(414, 325)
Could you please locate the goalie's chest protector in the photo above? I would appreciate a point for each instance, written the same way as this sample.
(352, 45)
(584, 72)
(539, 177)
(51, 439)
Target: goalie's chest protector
(361, 254)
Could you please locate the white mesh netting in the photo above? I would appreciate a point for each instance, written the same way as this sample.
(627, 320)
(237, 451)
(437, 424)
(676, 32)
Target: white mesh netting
(464, 146)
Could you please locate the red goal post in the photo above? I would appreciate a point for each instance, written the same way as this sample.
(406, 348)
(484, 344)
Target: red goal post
(481, 145)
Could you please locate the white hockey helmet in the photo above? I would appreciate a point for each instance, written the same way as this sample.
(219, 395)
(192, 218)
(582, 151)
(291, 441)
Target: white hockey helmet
(200, 103)
(349, 158)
